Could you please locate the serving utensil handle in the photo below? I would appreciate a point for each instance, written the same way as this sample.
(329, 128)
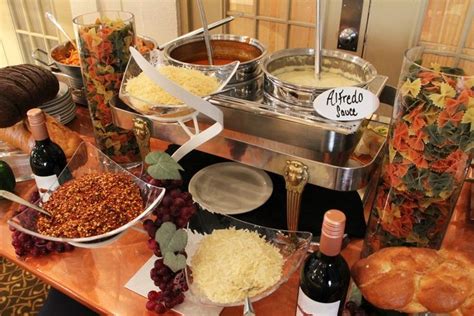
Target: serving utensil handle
(248, 308)
(207, 40)
(15, 198)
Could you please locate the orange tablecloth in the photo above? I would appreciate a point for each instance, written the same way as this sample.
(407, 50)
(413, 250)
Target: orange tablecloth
(97, 277)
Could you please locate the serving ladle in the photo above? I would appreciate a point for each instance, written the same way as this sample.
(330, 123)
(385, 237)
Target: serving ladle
(53, 20)
(207, 40)
(317, 42)
(15, 198)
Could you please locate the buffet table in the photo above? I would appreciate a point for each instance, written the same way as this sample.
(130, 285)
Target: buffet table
(96, 277)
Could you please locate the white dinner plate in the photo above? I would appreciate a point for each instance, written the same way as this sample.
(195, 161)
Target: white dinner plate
(230, 188)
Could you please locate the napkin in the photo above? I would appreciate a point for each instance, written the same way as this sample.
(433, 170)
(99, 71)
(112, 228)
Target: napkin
(141, 283)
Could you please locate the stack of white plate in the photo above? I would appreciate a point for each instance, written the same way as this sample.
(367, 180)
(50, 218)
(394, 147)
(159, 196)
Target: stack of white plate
(62, 107)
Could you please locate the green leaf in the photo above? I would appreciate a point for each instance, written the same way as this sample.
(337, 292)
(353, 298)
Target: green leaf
(177, 242)
(160, 172)
(172, 240)
(174, 262)
(162, 166)
(164, 234)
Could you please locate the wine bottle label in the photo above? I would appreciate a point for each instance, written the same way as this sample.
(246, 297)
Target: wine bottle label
(308, 307)
(46, 183)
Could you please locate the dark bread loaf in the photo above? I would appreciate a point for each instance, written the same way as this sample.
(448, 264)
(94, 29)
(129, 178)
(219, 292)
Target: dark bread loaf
(417, 280)
(9, 113)
(23, 87)
(50, 86)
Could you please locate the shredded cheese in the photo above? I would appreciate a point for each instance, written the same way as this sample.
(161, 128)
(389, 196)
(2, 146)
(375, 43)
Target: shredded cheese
(231, 264)
(143, 88)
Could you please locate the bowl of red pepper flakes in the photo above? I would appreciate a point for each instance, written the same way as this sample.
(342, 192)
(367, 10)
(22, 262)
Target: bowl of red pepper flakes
(429, 151)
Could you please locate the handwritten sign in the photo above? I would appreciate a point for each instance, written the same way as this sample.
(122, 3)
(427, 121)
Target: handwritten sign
(346, 104)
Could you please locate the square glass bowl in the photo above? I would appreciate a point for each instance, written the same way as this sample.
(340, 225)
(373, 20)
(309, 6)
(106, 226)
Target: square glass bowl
(89, 159)
(223, 74)
(292, 245)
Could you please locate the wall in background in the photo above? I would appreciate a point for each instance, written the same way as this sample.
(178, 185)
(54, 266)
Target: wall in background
(156, 19)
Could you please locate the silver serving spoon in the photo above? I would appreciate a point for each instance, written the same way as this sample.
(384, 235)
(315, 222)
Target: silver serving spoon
(207, 40)
(198, 31)
(248, 308)
(15, 198)
(53, 20)
(317, 42)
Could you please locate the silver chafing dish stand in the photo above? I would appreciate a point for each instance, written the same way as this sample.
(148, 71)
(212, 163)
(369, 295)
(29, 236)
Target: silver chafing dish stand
(265, 137)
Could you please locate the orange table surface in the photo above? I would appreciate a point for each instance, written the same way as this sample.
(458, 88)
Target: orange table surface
(96, 277)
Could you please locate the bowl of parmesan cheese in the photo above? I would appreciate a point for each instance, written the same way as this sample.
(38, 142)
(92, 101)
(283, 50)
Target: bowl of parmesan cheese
(229, 259)
(146, 97)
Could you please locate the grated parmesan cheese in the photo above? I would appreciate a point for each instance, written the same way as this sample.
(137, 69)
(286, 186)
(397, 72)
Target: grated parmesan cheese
(142, 87)
(231, 264)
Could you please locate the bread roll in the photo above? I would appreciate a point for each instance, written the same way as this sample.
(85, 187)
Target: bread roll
(20, 137)
(17, 136)
(67, 139)
(416, 280)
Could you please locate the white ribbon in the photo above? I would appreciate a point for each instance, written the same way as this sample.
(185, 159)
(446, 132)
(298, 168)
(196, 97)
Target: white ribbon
(189, 99)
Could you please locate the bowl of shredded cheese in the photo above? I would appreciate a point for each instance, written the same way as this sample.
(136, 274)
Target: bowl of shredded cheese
(143, 95)
(229, 260)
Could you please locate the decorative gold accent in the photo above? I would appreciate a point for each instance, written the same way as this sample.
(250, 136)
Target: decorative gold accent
(141, 130)
(296, 176)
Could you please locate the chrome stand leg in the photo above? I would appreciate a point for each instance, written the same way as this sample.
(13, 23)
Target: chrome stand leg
(296, 176)
(141, 130)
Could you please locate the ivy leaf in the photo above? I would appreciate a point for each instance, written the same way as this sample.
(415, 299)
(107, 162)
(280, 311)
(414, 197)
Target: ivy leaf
(178, 241)
(162, 166)
(164, 234)
(171, 241)
(174, 262)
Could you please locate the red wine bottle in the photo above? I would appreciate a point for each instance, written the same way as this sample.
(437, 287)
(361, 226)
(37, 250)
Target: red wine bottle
(47, 159)
(325, 276)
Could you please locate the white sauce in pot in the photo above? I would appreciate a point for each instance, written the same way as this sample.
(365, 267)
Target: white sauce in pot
(305, 76)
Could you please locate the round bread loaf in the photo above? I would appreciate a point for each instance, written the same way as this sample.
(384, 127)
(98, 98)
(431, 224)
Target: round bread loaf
(50, 86)
(22, 82)
(23, 87)
(417, 280)
(9, 113)
(14, 92)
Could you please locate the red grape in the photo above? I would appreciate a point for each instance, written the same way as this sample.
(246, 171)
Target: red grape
(178, 207)
(150, 305)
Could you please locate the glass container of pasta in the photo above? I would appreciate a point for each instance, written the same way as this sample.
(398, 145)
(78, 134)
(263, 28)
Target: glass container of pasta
(103, 40)
(428, 151)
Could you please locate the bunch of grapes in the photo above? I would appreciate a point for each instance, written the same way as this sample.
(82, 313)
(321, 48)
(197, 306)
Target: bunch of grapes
(177, 207)
(27, 245)
(172, 286)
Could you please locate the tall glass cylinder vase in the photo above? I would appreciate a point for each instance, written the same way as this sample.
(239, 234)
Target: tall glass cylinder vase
(429, 151)
(103, 41)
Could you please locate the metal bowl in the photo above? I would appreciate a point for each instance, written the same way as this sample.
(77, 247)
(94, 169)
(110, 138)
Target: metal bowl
(61, 50)
(247, 50)
(301, 96)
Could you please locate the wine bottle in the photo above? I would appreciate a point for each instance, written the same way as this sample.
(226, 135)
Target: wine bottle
(47, 159)
(325, 276)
